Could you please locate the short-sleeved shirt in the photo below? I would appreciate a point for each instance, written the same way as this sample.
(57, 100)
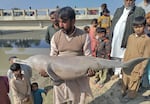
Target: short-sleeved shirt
(37, 96)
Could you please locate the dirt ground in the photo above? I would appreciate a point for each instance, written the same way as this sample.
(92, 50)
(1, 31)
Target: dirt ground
(110, 93)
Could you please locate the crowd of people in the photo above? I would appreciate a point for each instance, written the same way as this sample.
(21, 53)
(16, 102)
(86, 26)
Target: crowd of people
(127, 31)
(124, 37)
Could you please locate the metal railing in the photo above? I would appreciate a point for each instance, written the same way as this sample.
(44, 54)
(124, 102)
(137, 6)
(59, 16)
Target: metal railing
(43, 14)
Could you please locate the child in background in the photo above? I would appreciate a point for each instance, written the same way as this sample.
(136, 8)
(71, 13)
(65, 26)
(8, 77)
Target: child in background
(86, 29)
(104, 7)
(108, 33)
(102, 51)
(37, 93)
(20, 86)
(93, 27)
(104, 21)
(138, 45)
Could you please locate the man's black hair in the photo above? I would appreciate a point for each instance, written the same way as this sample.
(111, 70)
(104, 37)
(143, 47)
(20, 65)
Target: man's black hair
(52, 12)
(66, 13)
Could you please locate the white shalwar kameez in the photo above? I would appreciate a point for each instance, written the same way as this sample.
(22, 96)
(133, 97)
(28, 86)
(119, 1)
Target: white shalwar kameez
(118, 33)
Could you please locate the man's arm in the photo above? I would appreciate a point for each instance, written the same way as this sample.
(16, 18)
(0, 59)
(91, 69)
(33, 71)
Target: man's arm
(54, 50)
(47, 36)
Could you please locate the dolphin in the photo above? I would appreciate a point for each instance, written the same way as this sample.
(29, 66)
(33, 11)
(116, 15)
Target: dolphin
(70, 67)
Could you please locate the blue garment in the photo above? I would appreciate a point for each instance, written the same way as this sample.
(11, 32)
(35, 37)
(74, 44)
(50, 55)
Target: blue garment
(148, 70)
(145, 81)
(37, 96)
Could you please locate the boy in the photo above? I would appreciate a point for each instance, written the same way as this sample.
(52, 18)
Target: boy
(104, 21)
(20, 86)
(37, 93)
(93, 26)
(25, 69)
(86, 29)
(102, 51)
(138, 45)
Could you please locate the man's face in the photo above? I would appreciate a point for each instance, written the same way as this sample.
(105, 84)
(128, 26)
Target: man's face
(53, 19)
(67, 25)
(128, 3)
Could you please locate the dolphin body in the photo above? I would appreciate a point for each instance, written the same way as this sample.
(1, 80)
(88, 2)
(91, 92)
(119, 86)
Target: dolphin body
(70, 67)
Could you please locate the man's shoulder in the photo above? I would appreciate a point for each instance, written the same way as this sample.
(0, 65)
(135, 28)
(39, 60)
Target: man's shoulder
(139, 9)
(120, 8)
(80, 31)
(57, 33)
(50, 27)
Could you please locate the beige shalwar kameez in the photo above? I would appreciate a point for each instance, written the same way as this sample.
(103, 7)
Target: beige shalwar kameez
(137, 46)
(20, 90)
(77, 44)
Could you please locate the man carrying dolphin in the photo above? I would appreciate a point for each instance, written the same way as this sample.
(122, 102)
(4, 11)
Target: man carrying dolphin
(70, 41)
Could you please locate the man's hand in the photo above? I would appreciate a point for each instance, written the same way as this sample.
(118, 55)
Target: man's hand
(90, 72)
(26, 99)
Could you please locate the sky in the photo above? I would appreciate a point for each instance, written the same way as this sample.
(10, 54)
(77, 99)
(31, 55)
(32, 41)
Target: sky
(42, 4)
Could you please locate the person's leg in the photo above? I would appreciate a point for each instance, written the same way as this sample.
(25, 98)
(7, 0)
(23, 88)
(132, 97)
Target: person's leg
(146, 77)
(103, 77)
(133, 85)
(125, 82)
(82, 98)
(133, 88)
(117, 71)
(97, 78)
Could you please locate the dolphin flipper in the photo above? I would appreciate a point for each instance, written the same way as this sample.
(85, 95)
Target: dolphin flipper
(129, 65)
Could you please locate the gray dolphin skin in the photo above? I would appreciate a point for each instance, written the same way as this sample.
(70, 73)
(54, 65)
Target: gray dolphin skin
(70, 67)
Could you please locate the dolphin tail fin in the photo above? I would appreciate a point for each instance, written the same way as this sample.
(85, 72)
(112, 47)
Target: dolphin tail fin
(129, 65)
